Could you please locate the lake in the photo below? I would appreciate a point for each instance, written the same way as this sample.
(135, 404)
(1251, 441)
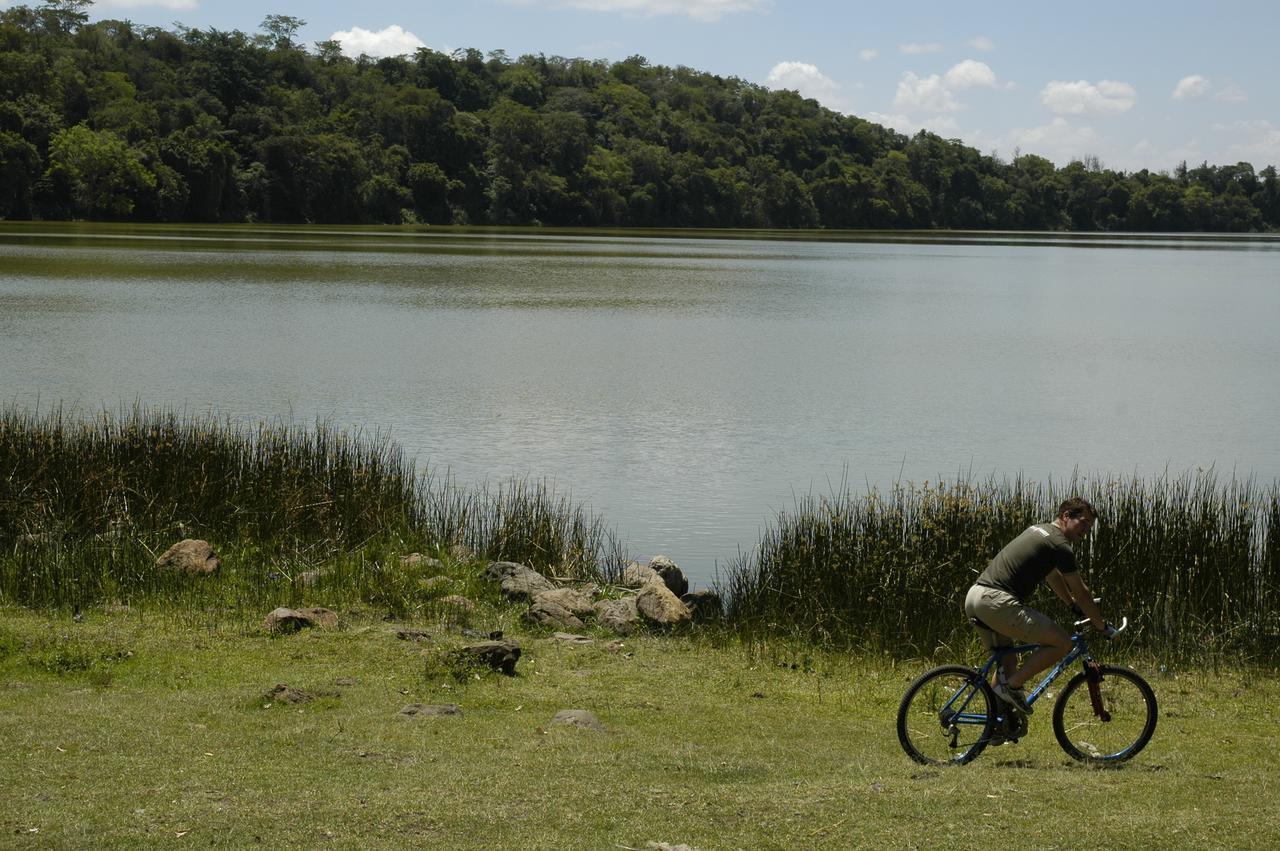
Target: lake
(686, 386)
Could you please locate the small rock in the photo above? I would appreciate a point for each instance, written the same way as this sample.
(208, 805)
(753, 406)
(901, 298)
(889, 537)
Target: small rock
(291, 620)
(190, 556)
(423, 710)
(435, 583)
(455, 606)
(499, 655)
(412, 635)
(419, 560)
(577, 718)
(570, 638)
(286, 694)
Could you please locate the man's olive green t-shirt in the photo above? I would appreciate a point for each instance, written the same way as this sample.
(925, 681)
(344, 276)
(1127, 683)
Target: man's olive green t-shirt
(1027, 559)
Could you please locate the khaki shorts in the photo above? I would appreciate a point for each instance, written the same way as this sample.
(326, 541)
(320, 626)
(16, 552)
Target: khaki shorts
(1008, 620)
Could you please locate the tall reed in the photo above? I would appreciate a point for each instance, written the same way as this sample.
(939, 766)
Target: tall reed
(1187, 558)
(87, 504)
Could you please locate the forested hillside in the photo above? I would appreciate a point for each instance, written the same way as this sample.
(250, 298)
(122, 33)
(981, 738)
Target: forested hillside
(111, 121)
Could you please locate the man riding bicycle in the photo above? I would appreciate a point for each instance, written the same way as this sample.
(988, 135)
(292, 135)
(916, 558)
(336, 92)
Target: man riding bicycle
(997, 602)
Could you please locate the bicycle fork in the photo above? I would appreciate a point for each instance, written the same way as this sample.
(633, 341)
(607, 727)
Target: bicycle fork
(1093, 676)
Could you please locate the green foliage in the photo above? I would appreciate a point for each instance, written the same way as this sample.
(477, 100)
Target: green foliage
(87, 505)
(98, 173)
(207, 125)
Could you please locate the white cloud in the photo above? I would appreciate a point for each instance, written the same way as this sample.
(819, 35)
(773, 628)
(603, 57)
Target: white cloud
(391, 41)
(981, 42)
(1108, 97)
(809, 82)
(1193, 87)
(970, 74)
(178, 5)
(703, 10)
(923, 94)
(1231, 93)
(868, 54)
(916, 49)
(1256, 142)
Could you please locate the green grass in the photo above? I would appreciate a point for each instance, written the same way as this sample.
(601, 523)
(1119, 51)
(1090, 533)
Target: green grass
(138, 728)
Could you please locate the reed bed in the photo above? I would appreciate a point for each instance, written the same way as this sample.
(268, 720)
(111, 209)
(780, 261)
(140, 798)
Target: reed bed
(86, 505)
(1187, 558)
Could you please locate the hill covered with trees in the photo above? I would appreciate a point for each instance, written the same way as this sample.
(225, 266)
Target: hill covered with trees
(107, 120)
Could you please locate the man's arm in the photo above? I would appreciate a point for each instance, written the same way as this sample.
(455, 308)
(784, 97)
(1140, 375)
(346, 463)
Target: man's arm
(1083, 597)
(1055, 581)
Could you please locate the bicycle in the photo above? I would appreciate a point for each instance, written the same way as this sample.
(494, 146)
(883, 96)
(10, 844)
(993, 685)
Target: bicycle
(1106, 714)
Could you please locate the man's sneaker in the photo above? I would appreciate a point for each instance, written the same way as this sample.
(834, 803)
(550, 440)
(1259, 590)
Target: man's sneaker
(1014, 697)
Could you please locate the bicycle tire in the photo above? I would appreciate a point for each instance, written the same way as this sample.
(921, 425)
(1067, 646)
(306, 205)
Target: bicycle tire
(1130, 704)
(927, 735)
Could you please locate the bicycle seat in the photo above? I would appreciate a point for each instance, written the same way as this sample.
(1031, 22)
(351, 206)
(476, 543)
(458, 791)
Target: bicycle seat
(980, 625)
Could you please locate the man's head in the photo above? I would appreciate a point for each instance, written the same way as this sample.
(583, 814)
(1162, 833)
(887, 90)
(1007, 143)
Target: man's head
(1075, 518)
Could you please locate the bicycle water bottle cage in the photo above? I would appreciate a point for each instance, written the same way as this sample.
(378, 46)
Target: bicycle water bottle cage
(1093, 674)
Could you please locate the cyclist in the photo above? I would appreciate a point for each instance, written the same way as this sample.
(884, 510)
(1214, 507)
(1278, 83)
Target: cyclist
(997, 602)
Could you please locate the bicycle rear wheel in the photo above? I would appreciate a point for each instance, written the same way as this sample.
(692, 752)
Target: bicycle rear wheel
(1111, 727)
(946, 716)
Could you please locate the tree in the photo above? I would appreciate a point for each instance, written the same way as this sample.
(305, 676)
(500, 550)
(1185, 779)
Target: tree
(100, 173)
(64, 16)
(19, 170)
(282, 29)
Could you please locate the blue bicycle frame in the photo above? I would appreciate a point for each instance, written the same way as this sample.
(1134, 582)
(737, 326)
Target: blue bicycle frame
(959, 715)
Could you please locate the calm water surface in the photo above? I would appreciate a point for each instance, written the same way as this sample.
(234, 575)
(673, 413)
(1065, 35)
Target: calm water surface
(686, 388)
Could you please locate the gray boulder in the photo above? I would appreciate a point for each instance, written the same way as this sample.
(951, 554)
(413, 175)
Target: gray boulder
(525, 584)
(637, 575)
(567, 598)
(190, 556)
(672, 576)
(704, 605)
(545, 611)
(658, 605)
(618, 616)
(500, 570)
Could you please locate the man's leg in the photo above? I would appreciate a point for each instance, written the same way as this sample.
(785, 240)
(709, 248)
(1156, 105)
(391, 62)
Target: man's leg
(1056, 644)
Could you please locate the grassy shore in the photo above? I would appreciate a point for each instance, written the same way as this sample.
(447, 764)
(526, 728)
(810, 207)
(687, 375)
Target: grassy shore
(148, 728)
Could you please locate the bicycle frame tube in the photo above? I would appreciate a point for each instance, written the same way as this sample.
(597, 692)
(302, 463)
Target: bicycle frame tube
(1078, 650)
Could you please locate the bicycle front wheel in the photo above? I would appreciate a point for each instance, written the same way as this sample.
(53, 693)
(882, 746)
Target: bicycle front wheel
(1108, 726)
(946, 716)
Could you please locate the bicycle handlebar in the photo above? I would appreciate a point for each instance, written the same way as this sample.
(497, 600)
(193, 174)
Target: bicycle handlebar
(1124, 622)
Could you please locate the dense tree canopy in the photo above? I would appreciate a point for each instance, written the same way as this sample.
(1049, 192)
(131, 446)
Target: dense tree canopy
(110, 121)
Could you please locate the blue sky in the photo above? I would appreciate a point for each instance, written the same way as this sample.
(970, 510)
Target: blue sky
(1136, 84)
